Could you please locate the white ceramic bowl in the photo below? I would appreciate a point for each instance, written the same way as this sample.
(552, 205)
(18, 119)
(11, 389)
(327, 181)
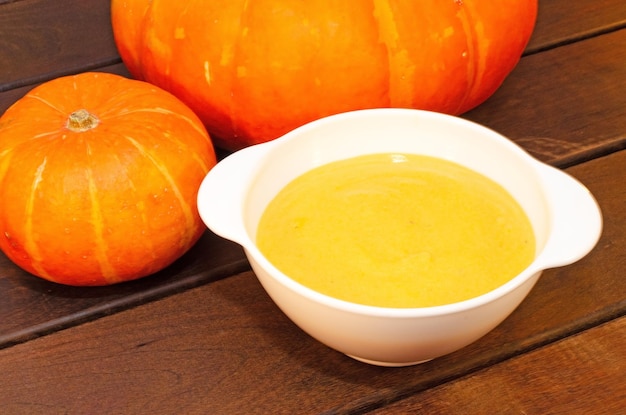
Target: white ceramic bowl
(565, 217)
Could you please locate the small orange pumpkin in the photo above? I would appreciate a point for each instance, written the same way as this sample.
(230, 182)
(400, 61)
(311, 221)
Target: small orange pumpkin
(98, 179)
(253, 70)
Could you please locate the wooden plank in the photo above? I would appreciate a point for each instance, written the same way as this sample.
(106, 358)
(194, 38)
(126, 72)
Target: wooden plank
(554, 379)
(561, 22)
(565, 105)
(40, 39)
(33, 307)
(225, 347)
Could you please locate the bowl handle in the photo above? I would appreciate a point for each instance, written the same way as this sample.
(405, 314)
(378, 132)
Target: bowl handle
(576, 219)
(222, 192)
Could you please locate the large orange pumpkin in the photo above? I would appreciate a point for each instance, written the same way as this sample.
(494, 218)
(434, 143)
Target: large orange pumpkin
(252, 70)
(98, 179)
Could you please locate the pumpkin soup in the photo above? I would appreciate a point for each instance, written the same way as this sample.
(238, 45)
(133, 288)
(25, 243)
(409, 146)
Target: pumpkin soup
(396, 230)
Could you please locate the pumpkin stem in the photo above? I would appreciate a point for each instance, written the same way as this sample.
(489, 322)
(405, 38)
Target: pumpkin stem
(81, 120)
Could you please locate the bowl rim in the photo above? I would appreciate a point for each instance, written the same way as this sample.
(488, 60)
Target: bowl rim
(254, 159)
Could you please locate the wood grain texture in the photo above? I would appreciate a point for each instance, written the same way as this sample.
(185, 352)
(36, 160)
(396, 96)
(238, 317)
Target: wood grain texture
(40, 40)
(225, 347)
(33, 307)
(561, 22)
(550, 380)
(565, 105)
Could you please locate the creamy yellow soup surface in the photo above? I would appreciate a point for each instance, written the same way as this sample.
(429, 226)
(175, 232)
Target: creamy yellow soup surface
(396, 230)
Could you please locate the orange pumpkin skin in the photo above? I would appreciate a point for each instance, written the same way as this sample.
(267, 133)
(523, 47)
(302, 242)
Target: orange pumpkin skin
(112, 203)
(253, 70)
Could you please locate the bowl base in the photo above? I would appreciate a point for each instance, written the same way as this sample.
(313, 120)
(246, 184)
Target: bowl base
(388, 364)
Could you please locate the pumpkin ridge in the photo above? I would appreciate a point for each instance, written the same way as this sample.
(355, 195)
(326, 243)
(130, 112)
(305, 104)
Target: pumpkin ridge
(5, 161)
(474, 55)
(401, 84)
(24, 141)
(97, 220)
(196, 156)
(39, 136)
(159, 110)
(6, 151)
(196, 126)
(30, 245)
(185, 207)
(35, 96)
(141, 209)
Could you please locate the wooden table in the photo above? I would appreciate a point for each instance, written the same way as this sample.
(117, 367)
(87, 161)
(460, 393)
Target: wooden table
(203, 337)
